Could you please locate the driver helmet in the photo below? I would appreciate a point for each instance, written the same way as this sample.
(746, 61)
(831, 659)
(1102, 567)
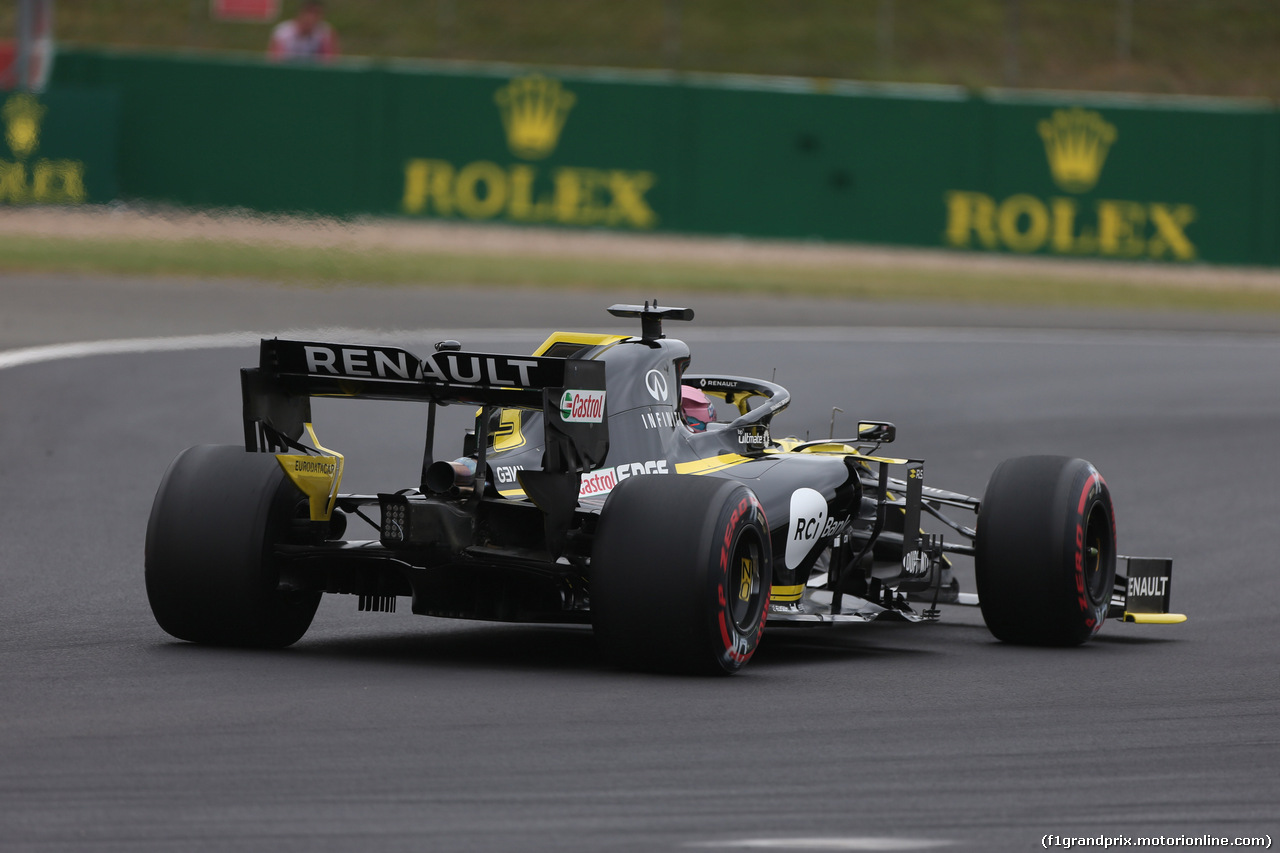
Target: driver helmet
(696, 408)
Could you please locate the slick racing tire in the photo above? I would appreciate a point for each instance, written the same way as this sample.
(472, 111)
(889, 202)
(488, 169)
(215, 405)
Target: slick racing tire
(210, 577)
(681, 571)
(1046, 551)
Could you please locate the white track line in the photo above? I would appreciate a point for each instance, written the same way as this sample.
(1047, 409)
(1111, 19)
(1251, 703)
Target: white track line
(708, 334)
(231, 340)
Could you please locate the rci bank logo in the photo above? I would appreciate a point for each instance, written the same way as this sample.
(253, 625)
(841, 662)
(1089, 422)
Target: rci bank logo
(534, 110)
(1076, 143)
(42, 181)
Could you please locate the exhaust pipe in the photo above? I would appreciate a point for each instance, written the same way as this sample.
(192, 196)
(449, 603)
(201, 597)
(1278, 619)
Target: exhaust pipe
(456, 479)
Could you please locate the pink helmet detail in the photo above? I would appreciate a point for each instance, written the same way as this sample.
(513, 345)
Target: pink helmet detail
(696, 407)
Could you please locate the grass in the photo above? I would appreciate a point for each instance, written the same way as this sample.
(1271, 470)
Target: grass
(206, 258)
(1220, 47)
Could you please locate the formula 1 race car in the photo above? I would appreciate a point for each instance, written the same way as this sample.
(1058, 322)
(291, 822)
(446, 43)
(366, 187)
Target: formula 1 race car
(587, 493)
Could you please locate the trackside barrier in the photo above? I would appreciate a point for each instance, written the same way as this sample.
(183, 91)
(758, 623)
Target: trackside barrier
(1067, 174)
(58, 147)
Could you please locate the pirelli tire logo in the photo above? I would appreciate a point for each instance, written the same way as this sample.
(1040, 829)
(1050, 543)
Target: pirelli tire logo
(1076, 144)
(535, 111)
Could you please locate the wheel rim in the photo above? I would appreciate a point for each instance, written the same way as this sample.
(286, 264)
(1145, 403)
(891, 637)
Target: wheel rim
(1097, 554)
(746, 582)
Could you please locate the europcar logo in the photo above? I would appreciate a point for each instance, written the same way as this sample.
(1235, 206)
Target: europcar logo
(44, 181)
(533, 110)
(1076, 144)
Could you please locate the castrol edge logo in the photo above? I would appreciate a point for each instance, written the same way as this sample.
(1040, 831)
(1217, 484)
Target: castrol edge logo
(605, 480)
(584, 407)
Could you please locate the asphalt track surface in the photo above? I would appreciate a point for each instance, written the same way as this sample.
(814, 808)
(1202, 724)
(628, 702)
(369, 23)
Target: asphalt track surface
(395, 732)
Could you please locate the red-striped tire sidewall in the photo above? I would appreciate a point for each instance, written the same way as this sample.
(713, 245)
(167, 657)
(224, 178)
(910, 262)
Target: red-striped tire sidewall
(737, 643)
(1089, 494)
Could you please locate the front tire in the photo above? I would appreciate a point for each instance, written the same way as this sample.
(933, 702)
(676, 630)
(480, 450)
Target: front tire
(681, 571)
(1046, 551)
(209, 573)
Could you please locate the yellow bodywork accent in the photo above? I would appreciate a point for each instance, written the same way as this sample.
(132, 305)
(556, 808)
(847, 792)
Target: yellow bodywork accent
(317, 477)
(888, 459)
(1155, 618)
(586, 339)
(715, 463)
(510, 434)
(787, 593)
(789, 445)
(833, 447)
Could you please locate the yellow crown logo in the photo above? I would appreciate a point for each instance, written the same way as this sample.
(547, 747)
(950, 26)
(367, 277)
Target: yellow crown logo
(22, 115)
(1076, 142)
(534, 110)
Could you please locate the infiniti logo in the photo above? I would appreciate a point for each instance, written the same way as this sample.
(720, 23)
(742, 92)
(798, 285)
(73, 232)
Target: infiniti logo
(657, 385)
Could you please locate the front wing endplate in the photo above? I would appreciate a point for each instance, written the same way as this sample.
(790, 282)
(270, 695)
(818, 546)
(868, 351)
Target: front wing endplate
(1141, 594)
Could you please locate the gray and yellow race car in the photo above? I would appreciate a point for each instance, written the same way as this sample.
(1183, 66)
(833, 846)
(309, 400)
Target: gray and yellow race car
(587, 493)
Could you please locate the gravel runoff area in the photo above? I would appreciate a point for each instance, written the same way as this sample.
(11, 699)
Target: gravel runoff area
(156, 223)
(42, 308)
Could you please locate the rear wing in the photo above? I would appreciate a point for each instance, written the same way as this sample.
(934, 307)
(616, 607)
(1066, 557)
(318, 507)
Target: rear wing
(569, 392)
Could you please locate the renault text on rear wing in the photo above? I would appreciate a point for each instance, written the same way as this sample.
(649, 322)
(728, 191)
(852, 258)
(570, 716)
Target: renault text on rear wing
(356, 370)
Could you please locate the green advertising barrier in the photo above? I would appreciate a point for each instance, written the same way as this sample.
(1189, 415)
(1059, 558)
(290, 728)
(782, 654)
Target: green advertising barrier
(58, 148)
(534, 149)
(855, 164)
(1154, 179)
(231, 133)
(1076, 175)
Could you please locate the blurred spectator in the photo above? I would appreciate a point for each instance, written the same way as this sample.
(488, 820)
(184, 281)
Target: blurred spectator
(304, 37)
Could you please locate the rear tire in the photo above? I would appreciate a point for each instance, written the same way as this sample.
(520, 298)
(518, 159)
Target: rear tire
(681, 572)
(1046, 551)
(209, 574)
